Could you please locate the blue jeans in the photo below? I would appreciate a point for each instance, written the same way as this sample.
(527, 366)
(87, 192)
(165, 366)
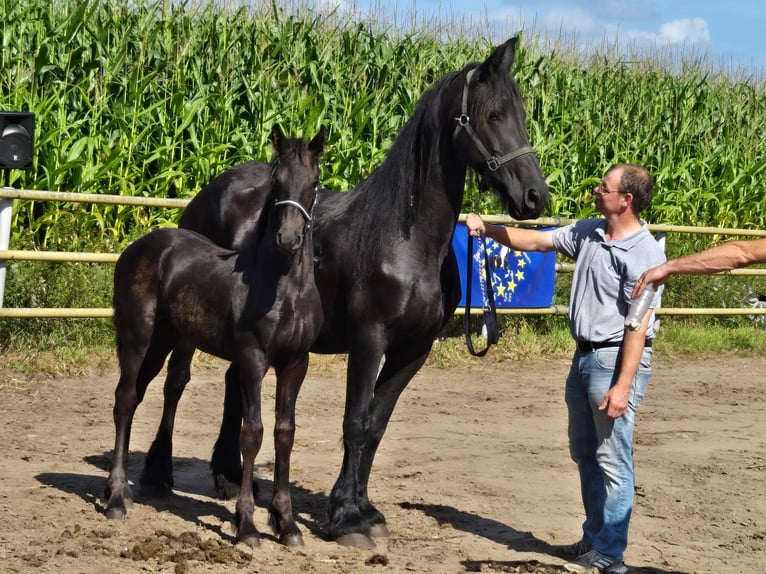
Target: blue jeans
(603, 449)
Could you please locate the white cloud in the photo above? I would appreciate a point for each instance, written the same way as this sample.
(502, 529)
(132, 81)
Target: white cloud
(688, 30)
(677, 32)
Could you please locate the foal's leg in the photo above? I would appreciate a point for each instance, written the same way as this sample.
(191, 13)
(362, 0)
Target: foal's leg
(118, 492)
(289, 380)
(137, 369)
(253, 368)
(157, 476)
(225, 463)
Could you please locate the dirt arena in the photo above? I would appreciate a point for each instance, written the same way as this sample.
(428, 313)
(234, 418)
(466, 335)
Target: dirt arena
(473, 475)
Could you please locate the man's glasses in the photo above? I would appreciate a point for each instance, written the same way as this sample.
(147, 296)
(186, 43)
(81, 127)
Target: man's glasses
(602, 189)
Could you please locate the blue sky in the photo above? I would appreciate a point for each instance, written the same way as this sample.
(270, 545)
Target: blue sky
(731, 34)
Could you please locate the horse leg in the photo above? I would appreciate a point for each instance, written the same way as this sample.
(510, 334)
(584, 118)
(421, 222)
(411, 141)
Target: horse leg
(347, 524)
(289, 381)
(225, 463)
(253, 369)
(157, 476)
(137, 368)
(398, 369)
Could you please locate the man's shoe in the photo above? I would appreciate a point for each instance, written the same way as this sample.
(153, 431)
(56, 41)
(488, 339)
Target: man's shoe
(596, 563)
(571, 551)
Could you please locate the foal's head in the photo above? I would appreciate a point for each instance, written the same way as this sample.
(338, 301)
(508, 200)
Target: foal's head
(294, 182)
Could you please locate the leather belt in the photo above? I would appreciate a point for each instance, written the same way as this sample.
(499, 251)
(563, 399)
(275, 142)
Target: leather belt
(590, 346)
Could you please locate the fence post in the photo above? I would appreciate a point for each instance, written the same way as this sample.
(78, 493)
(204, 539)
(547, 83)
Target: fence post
(6, 212)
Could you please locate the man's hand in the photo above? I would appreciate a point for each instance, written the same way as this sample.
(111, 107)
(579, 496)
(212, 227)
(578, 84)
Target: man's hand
(615, 402)
(475, 225)
(656, 275)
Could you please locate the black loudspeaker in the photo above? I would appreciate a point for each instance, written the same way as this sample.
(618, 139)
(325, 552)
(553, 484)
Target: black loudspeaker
(17, 134)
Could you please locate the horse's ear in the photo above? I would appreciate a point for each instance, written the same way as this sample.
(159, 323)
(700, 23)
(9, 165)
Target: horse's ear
(502, 58)
(277, 136)
(317, 144)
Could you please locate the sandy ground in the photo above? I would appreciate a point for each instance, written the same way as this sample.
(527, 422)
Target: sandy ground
(473, 475)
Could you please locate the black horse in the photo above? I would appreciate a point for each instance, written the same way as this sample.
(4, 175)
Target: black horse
(385, 268)
(259, 307)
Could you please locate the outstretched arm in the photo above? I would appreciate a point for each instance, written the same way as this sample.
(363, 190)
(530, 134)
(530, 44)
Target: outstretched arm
(724, 257)
(511, 237)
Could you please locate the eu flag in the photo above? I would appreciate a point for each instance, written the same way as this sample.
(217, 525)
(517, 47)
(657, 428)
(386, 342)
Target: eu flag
(519, 279)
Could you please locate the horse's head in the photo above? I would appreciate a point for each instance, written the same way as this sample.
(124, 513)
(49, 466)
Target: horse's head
(294, 182)
(491, 133)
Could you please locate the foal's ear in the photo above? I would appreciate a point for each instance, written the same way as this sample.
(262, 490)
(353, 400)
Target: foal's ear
(277, 136)
(317, 144)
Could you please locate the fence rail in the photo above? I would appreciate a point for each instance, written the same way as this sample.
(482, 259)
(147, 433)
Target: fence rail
(7, 195)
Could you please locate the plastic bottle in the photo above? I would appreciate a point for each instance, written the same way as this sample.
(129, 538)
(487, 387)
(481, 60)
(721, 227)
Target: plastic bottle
(638, 308)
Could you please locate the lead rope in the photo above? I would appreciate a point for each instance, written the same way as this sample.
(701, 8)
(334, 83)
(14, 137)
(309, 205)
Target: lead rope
(489, 314)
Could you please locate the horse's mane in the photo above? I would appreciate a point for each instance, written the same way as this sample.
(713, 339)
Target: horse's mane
(392, 191)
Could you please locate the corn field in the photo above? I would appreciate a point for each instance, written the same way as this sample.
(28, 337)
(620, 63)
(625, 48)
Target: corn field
(154, 98)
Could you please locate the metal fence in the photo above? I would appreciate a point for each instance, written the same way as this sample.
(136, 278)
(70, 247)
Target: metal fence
(7, 195)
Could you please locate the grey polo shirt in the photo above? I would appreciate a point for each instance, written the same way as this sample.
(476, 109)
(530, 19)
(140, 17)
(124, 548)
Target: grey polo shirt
(604, 275)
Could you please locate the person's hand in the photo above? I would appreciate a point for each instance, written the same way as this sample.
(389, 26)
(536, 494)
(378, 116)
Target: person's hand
(656, 275)
(475, 225)
(615, 402)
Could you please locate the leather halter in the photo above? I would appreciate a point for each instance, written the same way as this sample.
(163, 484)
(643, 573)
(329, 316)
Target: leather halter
(464, 122)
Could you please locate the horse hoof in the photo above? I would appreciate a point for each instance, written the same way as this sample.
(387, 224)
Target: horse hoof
(356, 540)
(224, 488)
(379, 530)
(156, 490)
(294, 540)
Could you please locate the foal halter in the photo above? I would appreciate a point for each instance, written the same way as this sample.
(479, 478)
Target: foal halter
(308, 216)
(464, 122)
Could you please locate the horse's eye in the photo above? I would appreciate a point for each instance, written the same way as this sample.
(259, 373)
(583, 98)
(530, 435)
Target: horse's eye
(495, 116)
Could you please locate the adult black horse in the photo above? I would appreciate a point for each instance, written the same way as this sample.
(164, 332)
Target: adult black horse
(174, 289)
(384, 264)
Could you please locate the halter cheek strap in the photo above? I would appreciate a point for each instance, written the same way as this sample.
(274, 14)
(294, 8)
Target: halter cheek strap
(464, 122)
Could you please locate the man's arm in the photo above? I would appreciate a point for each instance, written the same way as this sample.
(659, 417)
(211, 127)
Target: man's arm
(724, 257)
(512, 237)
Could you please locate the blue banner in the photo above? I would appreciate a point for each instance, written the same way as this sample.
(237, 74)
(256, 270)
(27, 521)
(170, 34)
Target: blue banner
(519, 279)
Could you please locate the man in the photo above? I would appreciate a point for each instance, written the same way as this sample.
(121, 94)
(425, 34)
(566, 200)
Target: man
(611, 366)
(724, 257)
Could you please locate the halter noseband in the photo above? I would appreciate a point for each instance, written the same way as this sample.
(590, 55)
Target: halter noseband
(464, 122)
(308, 216)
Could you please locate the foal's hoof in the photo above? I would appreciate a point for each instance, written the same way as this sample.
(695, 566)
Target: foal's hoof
(356, 540)
(117, 511)
(294, 540)
(379, 530)
(252, 540)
